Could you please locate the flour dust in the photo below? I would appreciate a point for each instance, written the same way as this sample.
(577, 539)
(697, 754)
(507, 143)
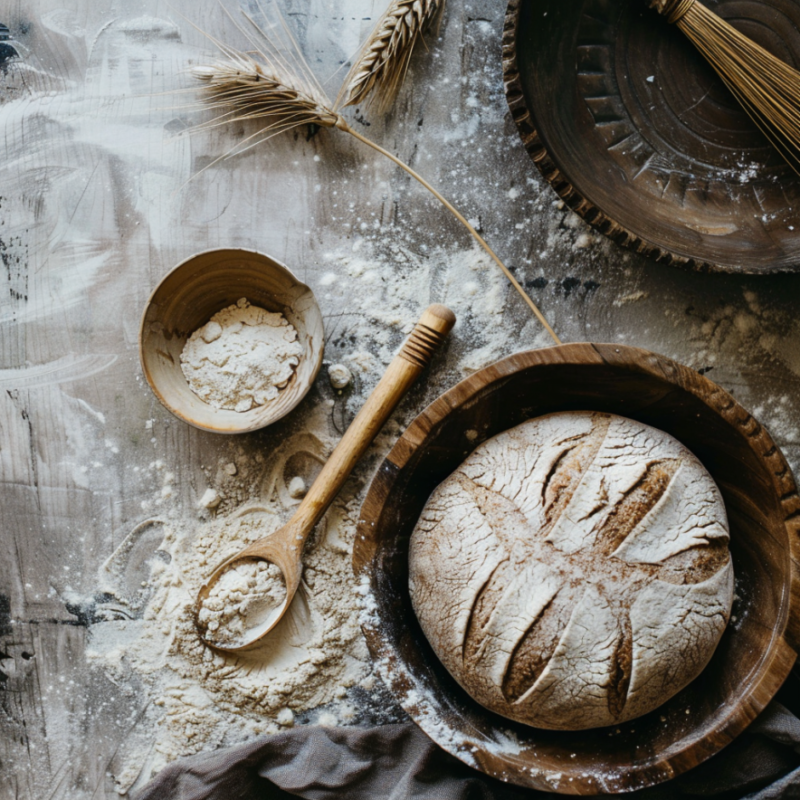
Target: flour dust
(245, 600)
(314, 667)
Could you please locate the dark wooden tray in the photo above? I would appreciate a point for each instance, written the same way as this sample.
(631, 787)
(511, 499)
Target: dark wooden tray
(634, 130)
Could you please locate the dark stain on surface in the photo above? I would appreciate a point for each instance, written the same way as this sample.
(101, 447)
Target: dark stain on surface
(5, 615)
(590, 286)
(86, 612)
(13, 257)
(7, 51)
(5, 630)
(569, 285)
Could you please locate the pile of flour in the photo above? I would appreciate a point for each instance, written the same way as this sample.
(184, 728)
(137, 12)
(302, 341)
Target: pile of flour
(243, 601)
(315, 667)
(241, 357)
(200, 698)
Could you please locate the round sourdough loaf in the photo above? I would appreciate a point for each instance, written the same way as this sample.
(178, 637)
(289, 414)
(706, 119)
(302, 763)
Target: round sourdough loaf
(574, 571)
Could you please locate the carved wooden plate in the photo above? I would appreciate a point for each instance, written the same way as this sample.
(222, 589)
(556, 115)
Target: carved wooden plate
(634, 130)
(757, 650)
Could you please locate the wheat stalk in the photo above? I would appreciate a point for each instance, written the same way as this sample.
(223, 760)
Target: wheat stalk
(381, 65)
(282, 91)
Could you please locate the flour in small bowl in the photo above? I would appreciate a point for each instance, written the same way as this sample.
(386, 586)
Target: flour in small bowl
(241, 358)
(244, 601)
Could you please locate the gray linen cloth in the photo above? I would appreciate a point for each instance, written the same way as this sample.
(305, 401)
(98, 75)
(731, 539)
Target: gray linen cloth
(398, 762)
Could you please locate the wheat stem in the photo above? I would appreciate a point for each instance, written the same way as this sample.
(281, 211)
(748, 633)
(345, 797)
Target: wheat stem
(460, 217)
(283, 91)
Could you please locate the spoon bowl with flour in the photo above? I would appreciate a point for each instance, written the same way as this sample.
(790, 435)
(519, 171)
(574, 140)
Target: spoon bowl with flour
(241, 601)
(248, 598)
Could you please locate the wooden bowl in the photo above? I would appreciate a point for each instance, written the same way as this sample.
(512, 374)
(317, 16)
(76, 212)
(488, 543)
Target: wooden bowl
(757, 650)
(189, 296)
(638, 135)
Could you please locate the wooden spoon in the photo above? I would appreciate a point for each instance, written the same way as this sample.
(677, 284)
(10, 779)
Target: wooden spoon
(284, 547)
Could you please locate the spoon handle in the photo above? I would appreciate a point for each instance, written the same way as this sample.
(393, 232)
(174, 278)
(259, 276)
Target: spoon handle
(428, 334)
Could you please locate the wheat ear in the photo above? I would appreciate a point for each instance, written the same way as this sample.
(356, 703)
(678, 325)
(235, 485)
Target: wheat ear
(245, 86)
(285, 95)
(381, 66)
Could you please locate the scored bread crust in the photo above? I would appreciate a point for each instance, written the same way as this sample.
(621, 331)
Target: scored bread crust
(574, 571)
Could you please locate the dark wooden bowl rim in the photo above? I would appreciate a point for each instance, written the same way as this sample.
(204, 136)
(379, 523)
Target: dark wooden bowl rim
(419, 682)
(718, 228)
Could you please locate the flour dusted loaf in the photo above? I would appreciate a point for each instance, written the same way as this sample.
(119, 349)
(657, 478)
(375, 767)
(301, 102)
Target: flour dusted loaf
(574, 571)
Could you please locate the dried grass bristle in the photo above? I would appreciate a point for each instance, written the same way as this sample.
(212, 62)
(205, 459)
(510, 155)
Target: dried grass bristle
(767, 88)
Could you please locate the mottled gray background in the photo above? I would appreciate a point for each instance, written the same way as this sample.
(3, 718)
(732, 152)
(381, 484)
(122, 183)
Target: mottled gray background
(92, 215)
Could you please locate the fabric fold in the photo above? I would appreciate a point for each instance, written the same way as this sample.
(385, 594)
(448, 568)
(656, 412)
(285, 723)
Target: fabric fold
(399, 762)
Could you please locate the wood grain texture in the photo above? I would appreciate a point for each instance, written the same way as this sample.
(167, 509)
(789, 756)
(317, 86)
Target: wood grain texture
(638, 135)
(757, 650)
(95, 210)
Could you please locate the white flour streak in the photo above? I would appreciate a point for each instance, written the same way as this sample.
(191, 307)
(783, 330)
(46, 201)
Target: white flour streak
(62, 370)
(70, 141)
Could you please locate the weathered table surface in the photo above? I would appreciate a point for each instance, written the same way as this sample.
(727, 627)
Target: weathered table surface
(94, 210)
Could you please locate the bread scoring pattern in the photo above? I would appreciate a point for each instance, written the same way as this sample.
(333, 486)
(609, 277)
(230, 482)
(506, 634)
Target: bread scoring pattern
(574, 571)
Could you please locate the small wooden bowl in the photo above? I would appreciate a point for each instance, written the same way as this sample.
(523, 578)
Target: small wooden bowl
(757, 650)
(189, 296)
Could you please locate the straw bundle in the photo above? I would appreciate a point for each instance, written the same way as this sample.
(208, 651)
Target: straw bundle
(767, 88)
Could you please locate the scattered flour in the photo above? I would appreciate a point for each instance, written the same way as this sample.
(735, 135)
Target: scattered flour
(744, 327)
(244, 600)
(210, 499)
(241, 357)
(285, 718)
(297, 487)
(201, 698)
